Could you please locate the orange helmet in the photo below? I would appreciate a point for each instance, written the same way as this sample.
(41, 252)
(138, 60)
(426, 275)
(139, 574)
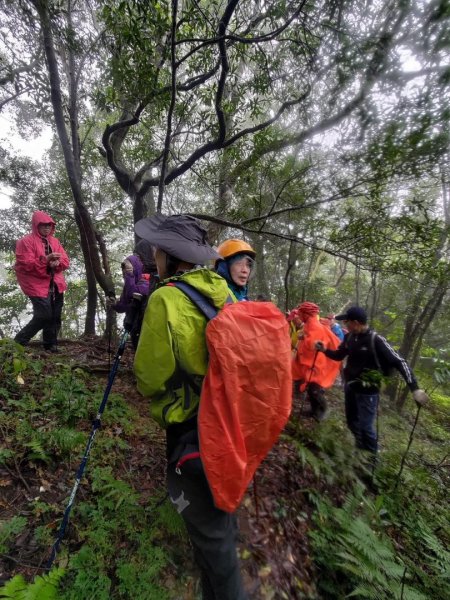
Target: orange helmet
(229, 248)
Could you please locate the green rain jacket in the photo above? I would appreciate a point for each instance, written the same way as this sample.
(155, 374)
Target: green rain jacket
(172, 344)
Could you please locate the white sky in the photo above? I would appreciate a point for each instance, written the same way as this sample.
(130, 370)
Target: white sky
(12, 141)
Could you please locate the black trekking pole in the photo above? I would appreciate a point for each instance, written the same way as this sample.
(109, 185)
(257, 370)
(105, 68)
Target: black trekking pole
(402, 464)
(96, 424)
(109, 310)
(309, 381)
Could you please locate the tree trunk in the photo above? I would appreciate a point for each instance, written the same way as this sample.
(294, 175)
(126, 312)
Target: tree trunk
(306, 281)
(357, 284)
(72, 156)
(260, 284)
(287, 275)
(91, 308)
(415, 342)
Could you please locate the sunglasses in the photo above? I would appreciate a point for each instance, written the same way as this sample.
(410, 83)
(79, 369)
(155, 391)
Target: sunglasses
(245, 260)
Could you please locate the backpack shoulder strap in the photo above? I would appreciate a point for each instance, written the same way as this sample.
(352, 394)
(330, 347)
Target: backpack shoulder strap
(347, 339)
(200, 301)
(373, 337)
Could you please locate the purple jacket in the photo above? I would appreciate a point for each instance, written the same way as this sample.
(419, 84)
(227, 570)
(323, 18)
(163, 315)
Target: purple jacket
(135, 282)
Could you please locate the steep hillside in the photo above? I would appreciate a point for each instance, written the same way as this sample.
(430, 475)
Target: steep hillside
(316, 523)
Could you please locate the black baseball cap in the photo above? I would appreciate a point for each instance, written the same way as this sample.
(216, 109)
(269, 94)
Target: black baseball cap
(354, 313)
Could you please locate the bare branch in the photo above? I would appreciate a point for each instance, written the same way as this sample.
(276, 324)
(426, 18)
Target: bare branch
(238, 38)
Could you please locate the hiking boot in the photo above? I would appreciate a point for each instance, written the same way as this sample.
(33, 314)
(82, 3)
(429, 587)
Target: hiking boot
(52, 349)
(321, 415)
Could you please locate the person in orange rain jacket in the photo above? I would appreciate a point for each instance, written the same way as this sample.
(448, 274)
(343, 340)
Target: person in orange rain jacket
(308, 368)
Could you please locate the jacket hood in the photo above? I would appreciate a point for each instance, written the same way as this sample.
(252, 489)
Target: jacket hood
(39, 216)
(144, 250)
(137, 266)
(223, 269)
(210, 284)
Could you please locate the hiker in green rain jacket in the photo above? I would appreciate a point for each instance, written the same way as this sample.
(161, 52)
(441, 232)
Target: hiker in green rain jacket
(161, 367)
(170, 363)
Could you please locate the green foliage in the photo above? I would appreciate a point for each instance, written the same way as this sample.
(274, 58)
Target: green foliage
(124, 544)
(140, 576)
(372, 377)
(86, 577)
(328, 454)
(441, 372)
(389, 545)
(5, 453)
(10, 529)
(44, 587)
(169, 520)
(350, 543)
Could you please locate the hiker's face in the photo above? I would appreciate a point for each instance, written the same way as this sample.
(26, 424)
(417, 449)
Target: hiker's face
(241, 269)
(297, 321)
(45, 229)
(354, 326)
(161, 263)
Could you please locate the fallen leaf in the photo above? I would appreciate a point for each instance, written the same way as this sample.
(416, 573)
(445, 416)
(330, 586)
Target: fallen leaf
(265, 571)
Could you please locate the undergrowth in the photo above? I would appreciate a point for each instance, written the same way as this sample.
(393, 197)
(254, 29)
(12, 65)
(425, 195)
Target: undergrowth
(387, 538)
(374, 535)
(115, 547)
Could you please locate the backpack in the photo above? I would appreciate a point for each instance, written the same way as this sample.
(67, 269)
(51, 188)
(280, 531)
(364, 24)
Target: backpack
(384, 369)
(246, 396)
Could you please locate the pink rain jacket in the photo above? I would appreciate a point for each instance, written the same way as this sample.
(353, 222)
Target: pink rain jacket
(31, 264)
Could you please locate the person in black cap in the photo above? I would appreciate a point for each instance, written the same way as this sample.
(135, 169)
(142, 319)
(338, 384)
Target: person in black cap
(368, 354)
(170, 363)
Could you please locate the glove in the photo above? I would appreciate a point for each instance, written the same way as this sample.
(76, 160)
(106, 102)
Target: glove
(127, 267)
(110, 301)
(420, 397)
(320, 346)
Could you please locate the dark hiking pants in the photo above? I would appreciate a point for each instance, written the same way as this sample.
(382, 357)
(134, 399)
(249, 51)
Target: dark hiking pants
(46, 316)
(361, 413)
(212, 532)
(316, 397)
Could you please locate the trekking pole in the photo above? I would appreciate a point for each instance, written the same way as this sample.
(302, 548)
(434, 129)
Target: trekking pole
(402, 464)
(374, 464)
(255, 498)
(109, 321)
(96, 424)
(309, 381)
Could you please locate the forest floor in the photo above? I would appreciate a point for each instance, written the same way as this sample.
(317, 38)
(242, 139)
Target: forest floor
(275, 517)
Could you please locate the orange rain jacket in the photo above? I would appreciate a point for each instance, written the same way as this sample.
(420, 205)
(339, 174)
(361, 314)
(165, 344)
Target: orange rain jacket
(325, 370)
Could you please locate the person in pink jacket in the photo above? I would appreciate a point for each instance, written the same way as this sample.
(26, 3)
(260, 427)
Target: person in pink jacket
(40, 262)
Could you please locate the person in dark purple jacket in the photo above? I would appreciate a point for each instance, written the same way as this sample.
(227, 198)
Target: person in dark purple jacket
(135, 281)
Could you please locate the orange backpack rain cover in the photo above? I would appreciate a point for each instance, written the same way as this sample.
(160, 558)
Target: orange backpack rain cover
(246, 395)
